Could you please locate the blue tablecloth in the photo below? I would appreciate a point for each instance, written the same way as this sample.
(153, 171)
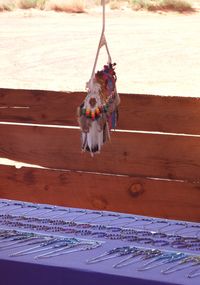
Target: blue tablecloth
(72, 268)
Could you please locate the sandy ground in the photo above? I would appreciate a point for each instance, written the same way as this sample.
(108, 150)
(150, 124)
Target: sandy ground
(155, 53)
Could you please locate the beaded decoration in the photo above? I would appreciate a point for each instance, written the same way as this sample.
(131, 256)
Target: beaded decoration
(99, 113)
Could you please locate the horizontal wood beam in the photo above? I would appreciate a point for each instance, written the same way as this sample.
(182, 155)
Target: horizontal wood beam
(136, 112)
(39, 107)
(142, 196)
(133, 154)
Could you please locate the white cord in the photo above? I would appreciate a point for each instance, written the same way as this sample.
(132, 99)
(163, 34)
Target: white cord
(102, 42)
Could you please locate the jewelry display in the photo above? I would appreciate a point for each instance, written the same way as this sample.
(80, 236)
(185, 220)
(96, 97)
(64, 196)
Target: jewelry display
(116, 219)
(53, 245)
(45, 231)
(156, 259)
(102, 231)
(16, 239)
(81, 247)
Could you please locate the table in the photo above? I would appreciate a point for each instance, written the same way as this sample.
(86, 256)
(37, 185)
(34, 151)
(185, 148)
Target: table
(110, 230)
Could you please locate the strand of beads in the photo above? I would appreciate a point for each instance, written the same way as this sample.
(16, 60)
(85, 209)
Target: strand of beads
(141, 237)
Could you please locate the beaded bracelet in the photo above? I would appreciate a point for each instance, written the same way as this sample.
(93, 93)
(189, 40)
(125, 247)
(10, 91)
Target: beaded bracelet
(195, 260)
(130, 259)
(108, 254)
(166, 257)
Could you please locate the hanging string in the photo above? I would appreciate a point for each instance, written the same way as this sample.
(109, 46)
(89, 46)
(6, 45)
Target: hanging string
(102, 42)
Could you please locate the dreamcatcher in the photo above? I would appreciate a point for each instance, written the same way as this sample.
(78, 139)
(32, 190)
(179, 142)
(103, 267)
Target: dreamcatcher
(99, 113)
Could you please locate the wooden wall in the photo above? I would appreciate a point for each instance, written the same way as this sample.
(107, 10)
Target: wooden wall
(151, 167)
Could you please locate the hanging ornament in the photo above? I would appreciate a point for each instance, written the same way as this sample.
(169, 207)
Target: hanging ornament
(99, 111)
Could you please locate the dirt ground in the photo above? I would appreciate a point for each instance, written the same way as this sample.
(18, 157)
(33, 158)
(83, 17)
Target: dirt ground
(156, 53)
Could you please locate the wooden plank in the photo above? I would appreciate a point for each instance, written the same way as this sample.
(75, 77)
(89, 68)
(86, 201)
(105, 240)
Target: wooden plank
(160, 113)
(41, 107)
(137, 112)
(142, 196)
(136, 154)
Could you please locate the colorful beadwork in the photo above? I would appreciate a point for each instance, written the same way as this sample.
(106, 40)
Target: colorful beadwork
(99, 113)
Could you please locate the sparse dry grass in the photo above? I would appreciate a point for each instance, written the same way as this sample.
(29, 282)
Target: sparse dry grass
(72, 6)
(6, 5)
(79, 6)
(26, 4)
(115, 4)
(162, 5)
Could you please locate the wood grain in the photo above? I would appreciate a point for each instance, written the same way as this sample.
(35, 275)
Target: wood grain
(39, 107)
(136, 112)
(163, 156)
(166, 199)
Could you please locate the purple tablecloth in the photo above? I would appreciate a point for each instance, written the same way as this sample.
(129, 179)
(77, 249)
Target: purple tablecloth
(73, 269)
